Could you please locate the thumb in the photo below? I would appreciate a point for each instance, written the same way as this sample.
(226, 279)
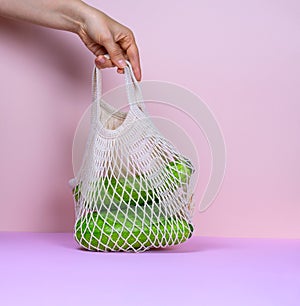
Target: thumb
(116, 54)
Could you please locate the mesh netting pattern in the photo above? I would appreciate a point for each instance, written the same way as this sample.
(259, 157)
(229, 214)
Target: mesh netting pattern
(133, 190)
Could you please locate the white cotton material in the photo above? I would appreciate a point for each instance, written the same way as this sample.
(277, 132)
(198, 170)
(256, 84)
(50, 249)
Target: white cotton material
(133, 191)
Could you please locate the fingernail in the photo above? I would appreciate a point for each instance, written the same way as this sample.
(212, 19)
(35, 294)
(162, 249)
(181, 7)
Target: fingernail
(122, 63)
(101, 60)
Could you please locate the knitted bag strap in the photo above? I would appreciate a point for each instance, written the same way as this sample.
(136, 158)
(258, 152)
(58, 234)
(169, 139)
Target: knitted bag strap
(133, 89)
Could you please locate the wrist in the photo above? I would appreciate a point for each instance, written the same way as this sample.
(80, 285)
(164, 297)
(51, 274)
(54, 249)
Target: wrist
(74, 15)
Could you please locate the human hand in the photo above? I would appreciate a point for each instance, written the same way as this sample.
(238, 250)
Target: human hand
(102, 34)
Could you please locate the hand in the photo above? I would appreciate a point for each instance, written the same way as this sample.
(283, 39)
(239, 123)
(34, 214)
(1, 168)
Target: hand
(101, 34)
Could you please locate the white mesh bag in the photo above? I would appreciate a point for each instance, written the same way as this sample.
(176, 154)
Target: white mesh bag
(133, 190)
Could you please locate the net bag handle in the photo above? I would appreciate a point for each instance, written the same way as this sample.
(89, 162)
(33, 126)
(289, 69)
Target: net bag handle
(133, 89)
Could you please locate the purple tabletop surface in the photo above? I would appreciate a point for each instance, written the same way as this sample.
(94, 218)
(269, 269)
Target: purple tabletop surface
(51, 269)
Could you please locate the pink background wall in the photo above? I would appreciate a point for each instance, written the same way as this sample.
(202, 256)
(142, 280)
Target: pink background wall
(240, 57)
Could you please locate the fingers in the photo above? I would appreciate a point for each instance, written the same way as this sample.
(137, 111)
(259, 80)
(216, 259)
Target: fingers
(115, 52)
(126, 48)
(134, 58)
(99, 50)
(103, 62)
(129, 45)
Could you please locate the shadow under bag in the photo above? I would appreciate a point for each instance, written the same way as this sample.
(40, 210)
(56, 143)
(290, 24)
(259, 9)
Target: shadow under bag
(133, 190)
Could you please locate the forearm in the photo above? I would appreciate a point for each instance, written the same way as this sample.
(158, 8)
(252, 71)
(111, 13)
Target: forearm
(65, 15)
